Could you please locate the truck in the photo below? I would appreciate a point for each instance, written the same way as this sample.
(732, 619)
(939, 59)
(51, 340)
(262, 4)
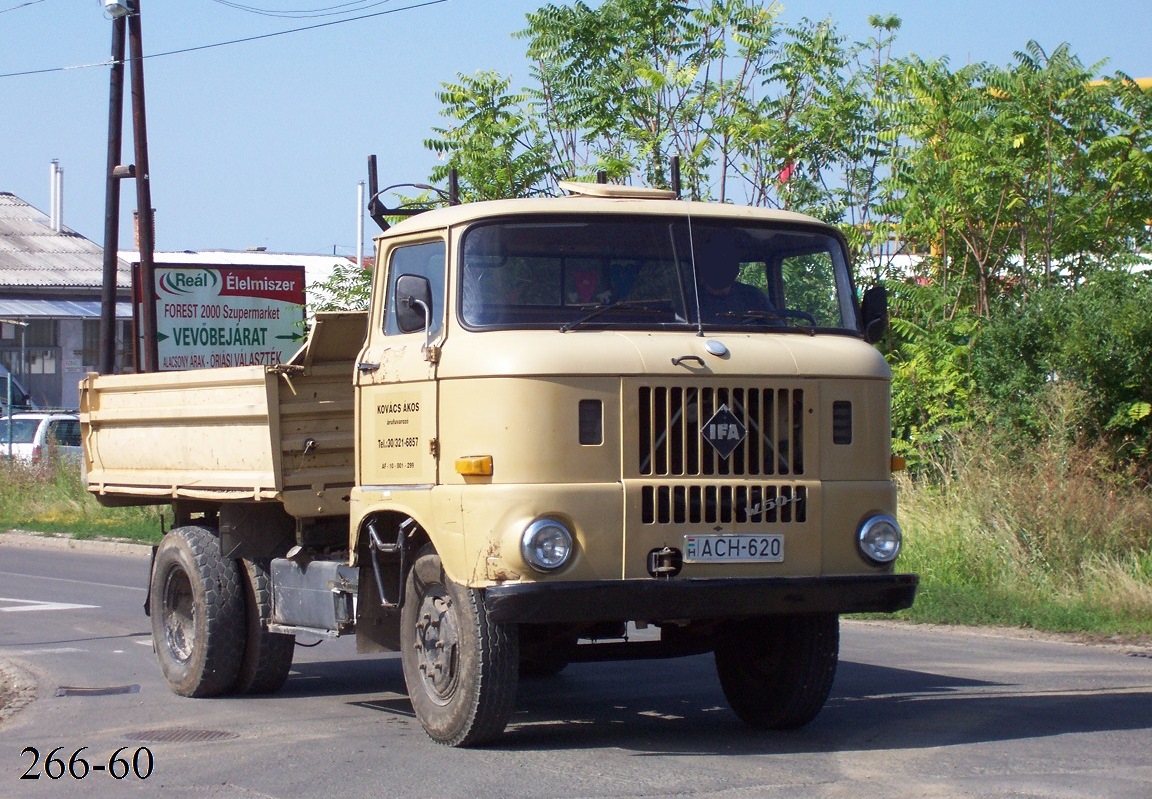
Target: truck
(547, 441)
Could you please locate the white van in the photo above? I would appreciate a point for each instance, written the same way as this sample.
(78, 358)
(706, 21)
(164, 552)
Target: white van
(35, 437)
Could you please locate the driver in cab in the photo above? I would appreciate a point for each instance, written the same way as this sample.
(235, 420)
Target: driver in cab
(720, 291)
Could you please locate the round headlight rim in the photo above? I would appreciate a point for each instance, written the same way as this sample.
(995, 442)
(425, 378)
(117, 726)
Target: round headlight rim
(862, 537)
(527, 541)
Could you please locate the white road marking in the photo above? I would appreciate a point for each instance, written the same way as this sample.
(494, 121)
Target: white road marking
(53, 651)
(31, 604)
(77, 582)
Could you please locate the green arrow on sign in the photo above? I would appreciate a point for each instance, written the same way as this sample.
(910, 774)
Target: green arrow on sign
(292, 337)
(161, 337)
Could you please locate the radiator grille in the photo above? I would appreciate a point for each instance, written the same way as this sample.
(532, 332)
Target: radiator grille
(671, 444)
(723, 504)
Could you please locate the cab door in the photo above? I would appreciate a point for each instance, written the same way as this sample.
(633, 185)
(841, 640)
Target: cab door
(396, 374)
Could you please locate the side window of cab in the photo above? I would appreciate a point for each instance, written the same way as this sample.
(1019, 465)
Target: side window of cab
(410, 267)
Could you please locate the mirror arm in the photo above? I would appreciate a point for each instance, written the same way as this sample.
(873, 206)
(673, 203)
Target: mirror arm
(423, 306)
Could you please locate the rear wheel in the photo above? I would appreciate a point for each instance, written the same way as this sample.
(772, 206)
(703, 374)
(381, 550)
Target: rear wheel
(460, 667)
(198, 618)
(267, 655)
(777, 671)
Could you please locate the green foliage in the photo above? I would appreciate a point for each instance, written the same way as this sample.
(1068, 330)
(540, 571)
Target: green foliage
(1016, 175)
(792, 117)
(1057, 540)
(1094, 336)
(347, 288)
(50, 497)
(628, 84)
(1107, 352)
(1017, 356)
(494, 144)
(929, 347)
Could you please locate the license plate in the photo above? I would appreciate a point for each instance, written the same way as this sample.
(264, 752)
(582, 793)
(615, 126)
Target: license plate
(733, 549)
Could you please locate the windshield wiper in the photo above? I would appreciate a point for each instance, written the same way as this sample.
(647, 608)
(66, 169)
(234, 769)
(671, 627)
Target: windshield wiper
(644, 306)
(782, 317)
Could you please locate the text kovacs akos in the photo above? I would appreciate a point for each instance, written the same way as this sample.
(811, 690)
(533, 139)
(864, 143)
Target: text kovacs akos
(398, 434)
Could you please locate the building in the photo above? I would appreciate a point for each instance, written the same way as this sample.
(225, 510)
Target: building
(50, 286)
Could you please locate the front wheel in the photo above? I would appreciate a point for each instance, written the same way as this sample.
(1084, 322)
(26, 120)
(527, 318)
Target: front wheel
(777, 671)
(198, 613)
(460, 667)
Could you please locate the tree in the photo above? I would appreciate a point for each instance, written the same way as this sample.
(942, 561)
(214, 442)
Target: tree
(495, 145)
(629, 84)
(1013, 175)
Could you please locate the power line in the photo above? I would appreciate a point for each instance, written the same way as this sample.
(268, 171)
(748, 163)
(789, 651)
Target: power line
(22, 5)
(306, 13)
(231, 42)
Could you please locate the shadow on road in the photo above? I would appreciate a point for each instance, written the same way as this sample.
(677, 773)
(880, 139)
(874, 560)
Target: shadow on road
(677, 707)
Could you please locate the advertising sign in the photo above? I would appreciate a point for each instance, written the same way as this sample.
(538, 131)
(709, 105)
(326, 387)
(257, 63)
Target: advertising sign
(228, 315)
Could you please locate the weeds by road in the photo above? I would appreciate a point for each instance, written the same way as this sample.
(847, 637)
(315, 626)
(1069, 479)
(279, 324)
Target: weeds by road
(1055, 539)
(50, 498)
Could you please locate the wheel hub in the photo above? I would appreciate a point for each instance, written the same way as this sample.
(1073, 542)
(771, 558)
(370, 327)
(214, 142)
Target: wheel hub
(179, 613)
(437, 646)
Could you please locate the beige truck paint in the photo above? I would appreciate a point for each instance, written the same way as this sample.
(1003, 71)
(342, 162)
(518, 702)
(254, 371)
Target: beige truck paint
(235, 434)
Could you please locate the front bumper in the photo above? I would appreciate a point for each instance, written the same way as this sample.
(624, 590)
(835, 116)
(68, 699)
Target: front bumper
(687, 599)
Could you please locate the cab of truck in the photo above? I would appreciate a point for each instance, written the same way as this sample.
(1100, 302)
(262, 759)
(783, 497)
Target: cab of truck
(617, 410)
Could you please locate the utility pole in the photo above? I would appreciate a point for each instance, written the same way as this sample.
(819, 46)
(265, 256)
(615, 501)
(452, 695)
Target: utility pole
(127, 15)
(151, 356)
(112, 201)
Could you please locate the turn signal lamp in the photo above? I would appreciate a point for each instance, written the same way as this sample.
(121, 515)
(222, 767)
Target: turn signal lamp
(474, 466)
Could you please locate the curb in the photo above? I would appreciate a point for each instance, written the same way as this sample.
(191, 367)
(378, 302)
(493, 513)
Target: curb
(30, 540)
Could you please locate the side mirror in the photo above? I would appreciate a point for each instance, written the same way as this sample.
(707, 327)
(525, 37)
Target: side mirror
(874, 309)
(413, 303)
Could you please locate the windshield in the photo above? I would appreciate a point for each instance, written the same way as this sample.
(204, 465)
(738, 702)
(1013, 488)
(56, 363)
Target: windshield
(653, 273)
(23, 430)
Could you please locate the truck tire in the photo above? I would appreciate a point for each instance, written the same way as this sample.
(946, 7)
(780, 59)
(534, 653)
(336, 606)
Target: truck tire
(267, 656)
(198, 619)
(460, 667)
(777, 671)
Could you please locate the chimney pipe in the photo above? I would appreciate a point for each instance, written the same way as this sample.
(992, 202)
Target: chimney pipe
(56, 197)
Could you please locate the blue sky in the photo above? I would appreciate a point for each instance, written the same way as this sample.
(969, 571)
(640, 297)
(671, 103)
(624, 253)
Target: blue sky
(262, 144)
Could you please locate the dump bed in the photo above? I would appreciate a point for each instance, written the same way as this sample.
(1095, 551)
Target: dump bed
(249, 433)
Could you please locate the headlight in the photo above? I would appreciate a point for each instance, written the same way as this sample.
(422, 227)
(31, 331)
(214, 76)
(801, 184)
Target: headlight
(879, 539)
(546, 545)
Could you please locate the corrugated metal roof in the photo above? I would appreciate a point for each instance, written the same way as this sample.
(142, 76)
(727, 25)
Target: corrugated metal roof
(34, 255)
(58, 309)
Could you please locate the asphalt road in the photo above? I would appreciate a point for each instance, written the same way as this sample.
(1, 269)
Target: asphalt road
(915, 712)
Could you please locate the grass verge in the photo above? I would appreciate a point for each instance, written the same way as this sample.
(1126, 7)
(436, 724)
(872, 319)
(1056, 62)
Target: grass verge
(51, 498)
(1055, 541)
